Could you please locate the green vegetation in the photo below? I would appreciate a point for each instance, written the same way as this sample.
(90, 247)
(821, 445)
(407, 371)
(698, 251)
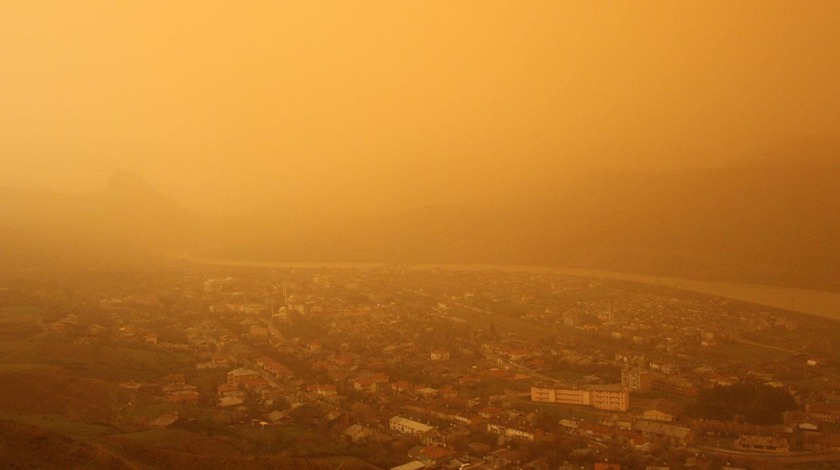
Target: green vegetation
(754, 403)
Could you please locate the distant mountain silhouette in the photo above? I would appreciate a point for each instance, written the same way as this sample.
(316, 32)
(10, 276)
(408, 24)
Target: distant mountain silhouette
(771, 223)
(128, 218)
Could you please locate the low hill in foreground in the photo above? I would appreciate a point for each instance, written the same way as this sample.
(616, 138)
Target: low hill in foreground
(27, 446)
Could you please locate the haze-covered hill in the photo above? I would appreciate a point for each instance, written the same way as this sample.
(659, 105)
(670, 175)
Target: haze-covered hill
(777, 224)
(768, 223)
(128, 219)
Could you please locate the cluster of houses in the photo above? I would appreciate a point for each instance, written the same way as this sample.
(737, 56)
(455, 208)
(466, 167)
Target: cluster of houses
(441, 355)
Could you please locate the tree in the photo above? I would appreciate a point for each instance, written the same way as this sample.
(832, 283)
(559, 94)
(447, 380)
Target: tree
(755, 403)
(252, 403)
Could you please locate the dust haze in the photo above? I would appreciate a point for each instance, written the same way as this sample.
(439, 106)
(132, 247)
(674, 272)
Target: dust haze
(336, 108)
(419, 234)
(693, 141)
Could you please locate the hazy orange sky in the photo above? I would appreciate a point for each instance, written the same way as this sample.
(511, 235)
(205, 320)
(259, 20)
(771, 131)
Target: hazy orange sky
(380, 105)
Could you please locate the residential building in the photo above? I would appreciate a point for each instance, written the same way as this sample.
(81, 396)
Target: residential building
(602, 397)
(636, 380)
(408, 426)
(439, 355)
(322, 390)
(678, 434)
(762, 443)
(513, 433)
(241, 375)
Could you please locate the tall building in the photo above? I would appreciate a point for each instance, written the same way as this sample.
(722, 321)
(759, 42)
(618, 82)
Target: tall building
(602, 397)
(408, 426)
(636, 380)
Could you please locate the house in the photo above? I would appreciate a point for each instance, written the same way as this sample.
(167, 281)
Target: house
(824, 412)
(491, 412)
(364, 384)
(413, 465)
(808, 427)
(661, 410)
(176, 391)
(752, 442)
(439, 355)
(467, 419)
(183, 397)
(274, 368)
(164, 421)
(408, 426)
(322, 390)
(657, 415)
(722, 380)
(402, 386)
(219, 360)
(426, 392)
(432, 455)
(568, 423)
(226, 402)
(241, 375)
(678, 434)
(225, 390)
(514, 433)
(598, 432)
(278, 417)
(607, 466)
(357, 433)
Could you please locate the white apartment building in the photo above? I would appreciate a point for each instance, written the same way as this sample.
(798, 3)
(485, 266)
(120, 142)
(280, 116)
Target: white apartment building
(408, 426)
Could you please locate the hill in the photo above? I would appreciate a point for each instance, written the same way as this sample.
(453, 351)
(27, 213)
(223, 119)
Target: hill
(128, 219)
(774, 224)
(25, 446)
(770, 223)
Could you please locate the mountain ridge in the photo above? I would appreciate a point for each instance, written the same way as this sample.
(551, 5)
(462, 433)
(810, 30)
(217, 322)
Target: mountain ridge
(769, 223)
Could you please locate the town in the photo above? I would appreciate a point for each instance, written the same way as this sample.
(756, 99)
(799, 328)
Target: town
(409, 368)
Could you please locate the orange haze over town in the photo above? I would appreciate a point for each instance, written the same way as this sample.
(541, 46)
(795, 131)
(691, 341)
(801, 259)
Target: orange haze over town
(377, 106)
